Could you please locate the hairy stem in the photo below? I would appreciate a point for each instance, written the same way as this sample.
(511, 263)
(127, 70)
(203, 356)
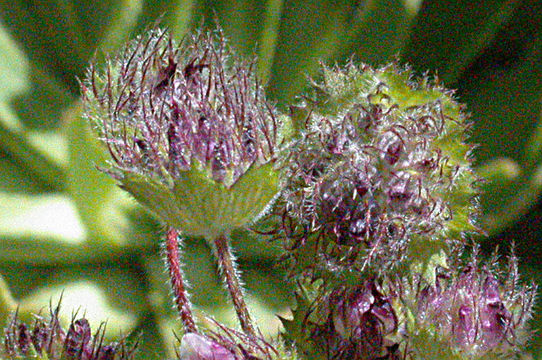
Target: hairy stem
(176, 276)
(227, 265)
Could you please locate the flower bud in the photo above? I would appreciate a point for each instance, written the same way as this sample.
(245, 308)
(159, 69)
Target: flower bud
(354, 323)
(198, 347)
(379, 174)
(46, 339)
(229, 344)
(472, 314)
(189, 131)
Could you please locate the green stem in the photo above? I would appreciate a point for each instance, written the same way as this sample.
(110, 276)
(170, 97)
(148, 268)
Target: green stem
(226, 262)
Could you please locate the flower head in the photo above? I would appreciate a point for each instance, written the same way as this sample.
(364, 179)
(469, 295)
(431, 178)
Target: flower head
(199, 347)
(188, 128)
(354, 323)
(360, 323)
(46, 339)
(380, 172)
(473, 313)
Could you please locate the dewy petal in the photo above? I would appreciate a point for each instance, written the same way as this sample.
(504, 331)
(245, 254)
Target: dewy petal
(198, 347)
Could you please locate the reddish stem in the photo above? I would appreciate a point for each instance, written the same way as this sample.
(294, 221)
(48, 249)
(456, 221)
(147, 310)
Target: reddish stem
(226, 262)
(176, 277)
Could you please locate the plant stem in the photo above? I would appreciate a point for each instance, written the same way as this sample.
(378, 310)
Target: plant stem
(176, 276)
(227, 265)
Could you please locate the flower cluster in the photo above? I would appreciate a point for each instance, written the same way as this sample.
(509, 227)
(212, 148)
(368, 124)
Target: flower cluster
(376, 194)
(380, 166)
(357, 323)
(46, 339)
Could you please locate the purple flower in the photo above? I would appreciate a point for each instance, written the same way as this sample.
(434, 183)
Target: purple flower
(48, 339)
(162, 107)
(189, 131)
(199, 347)
(353, 323)
(476, 311)
(380, 165)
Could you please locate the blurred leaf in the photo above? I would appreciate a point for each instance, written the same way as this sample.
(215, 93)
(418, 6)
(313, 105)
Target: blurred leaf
(269, 38)
(521, 195)
(503, 90)
(13, 66)
(7, 303)
(250, 246)
(501, 178)
(51, 35)
(100, 292)
(45, 173)
(379, 32)
(151, 344)
(310, 31)
(63, 35)
(16, 178)
(107, 23)
(98, 199)
(448, 35)
(504, 102)
(47, 229)
(500, 169)
(40, 216)
(533, 150)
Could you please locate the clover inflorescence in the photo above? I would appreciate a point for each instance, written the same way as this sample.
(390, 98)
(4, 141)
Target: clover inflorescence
(472, 311)
(376, 200)
(160, 107)
(380, 164)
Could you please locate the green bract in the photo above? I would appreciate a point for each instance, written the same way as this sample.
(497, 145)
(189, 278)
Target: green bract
(201, 206)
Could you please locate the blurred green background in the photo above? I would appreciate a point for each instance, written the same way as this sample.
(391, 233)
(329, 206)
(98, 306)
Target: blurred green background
(66, 227)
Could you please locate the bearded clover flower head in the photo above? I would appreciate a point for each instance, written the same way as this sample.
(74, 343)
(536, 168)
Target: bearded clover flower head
(380, 172)
(471, 312)
(189, 131)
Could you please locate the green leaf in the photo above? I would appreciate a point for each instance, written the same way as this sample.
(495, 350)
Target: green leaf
(448, 35)
(47, 229)
(51, 36)
(101, 292)
(52, 216)
(505, 114)
(378, 33)
(61, 36)
(151, 339)
(106, 24)
(13, 68)
(269, 38)
(7, 303)
(310, 31)
(44, 172)
(99, 201)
